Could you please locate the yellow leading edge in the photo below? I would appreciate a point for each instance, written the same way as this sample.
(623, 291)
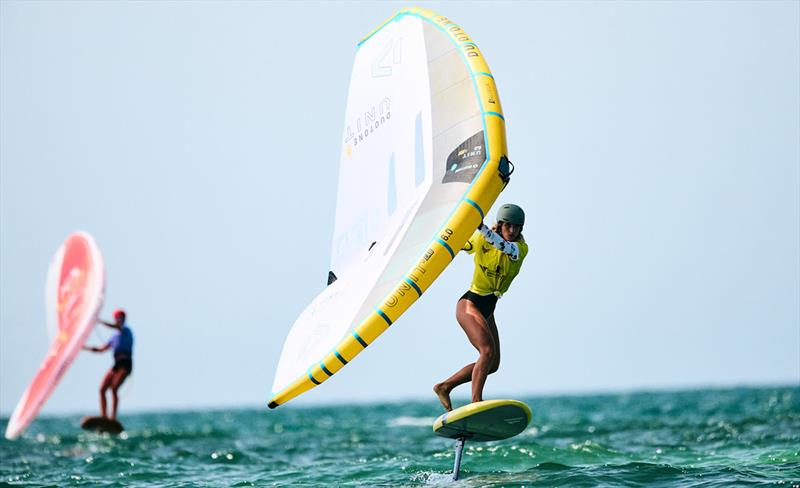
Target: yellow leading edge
(460, 225)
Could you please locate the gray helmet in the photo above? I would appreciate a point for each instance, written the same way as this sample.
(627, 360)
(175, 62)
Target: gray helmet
(511, 213)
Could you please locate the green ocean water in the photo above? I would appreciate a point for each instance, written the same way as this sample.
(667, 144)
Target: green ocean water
(702, 438)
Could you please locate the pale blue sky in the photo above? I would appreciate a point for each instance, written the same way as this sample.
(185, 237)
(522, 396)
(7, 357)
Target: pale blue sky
(657, 155)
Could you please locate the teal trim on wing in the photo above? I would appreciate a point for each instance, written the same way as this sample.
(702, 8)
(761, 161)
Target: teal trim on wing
(482, 73)
(477, 207)
(496, 114)
(360, 340)
(322, 366)
(447, 246)
(385, 317)
(413, 285)
(313, 380)
(397, 16)
(339, 357)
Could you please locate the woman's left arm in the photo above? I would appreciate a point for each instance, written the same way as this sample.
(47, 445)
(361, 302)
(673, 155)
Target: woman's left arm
(509, 248)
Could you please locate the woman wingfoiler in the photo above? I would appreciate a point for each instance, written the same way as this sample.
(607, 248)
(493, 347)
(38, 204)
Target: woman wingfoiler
(499, 253)
(122, 344)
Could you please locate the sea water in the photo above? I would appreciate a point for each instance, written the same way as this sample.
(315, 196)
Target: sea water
(703, 438)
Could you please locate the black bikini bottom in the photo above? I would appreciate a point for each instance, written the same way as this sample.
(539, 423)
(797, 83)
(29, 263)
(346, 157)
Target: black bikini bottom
(123, 362)
(485, 303)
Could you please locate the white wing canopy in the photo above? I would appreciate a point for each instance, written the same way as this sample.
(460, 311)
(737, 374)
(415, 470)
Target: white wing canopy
(414, 140)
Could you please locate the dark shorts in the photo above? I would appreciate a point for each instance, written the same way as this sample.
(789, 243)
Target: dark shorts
(123, 362)
(485, 303)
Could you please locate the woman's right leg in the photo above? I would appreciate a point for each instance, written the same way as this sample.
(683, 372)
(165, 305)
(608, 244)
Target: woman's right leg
(479, 335)
(104, 385)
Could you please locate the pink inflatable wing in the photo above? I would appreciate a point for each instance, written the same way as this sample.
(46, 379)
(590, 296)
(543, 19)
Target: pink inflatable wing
(75, 288)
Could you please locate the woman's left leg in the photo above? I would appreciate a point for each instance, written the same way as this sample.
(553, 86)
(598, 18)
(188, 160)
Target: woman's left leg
(495, 365)
(116, 382)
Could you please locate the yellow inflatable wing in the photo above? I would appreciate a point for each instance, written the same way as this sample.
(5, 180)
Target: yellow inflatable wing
(423, 159)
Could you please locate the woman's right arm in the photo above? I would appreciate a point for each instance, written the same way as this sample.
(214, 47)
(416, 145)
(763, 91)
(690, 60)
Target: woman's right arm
(509, 248)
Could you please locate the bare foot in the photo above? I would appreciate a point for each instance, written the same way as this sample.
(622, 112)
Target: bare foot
(444, 395)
